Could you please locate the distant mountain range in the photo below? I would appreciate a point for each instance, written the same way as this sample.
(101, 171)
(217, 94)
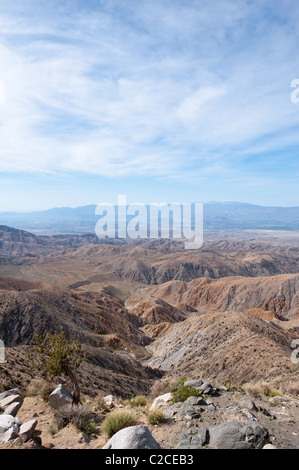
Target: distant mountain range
(217, 216)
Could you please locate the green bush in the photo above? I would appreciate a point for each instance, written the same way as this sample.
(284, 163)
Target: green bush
(116, 421)
(184, 392)
(271, 393)
(156, 417)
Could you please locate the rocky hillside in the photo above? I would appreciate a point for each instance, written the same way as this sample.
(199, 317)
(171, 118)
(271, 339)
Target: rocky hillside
(113, 344)
(209, 418)
(221, 346)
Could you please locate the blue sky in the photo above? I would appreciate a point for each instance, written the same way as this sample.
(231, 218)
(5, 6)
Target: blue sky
(162, 100)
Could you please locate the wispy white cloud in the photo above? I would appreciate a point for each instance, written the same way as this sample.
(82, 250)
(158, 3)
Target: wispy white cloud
(149, 88)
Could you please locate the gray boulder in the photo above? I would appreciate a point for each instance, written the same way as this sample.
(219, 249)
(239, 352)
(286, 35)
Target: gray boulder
(5, 402)
(12, 391)
(249, 435)
(196, 383)
(60, 397)
(27, 430)
(133, 437)
(13, 409)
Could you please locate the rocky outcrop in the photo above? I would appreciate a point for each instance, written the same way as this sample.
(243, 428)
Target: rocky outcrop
(238, 435)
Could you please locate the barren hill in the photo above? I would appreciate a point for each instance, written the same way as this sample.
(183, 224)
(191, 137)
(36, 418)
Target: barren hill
(221, 346)
(274, 296)
(111, 341)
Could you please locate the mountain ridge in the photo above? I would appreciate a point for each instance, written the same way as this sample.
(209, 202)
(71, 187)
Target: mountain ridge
(217, 216)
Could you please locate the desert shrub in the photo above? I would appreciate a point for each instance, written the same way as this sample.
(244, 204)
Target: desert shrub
(292, 388)
(183, 380)
(233, 388)
(139, 400)
(54, 355)
(46, 389)
(253, 389)
(81, 417)
(156, 417)
(160, 387)
(127, 402)
(116, 421)
(184, 392)
(268, 392)
(53, 429)
(39, 387)
(261, 389)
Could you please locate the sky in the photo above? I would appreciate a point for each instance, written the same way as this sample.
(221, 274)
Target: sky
(161, 100)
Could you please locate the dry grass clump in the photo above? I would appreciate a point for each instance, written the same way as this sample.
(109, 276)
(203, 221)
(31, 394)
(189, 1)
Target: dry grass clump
(258, 390)
(116, 421)
(156, 417)
(100, 403)
(135, 402)
(81, 417)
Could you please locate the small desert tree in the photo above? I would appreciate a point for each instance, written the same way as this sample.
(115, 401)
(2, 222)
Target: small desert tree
(54, 355)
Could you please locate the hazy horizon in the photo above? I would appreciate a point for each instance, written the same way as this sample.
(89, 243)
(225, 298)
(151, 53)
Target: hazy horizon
(146, 203)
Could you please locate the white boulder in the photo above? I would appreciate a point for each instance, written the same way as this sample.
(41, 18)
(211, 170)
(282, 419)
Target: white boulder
(161, 401)
(132, 437)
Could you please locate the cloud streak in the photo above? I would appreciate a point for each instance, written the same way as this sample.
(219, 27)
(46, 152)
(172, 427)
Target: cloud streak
(151, 88)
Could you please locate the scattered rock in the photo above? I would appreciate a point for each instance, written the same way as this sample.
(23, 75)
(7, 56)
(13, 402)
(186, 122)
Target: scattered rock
(110, 400)
(192, 401)
(60, 397)
(172, 410)
(269, 446)
(133, 437)
(189, 412)
(83, 439)
(211, 407)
